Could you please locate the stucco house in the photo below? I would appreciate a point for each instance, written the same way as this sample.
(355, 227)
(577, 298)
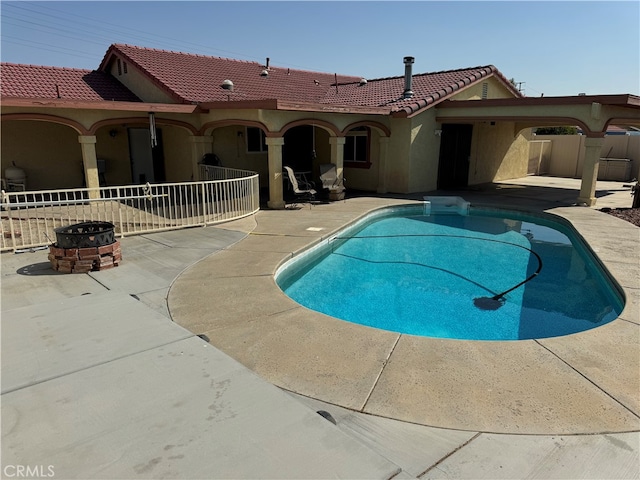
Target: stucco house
(148, 115)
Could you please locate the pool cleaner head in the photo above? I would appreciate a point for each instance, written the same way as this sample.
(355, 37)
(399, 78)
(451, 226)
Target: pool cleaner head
(495, 302)
(488, 303)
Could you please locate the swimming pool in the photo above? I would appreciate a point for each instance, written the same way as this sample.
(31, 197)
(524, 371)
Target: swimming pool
(487, 275)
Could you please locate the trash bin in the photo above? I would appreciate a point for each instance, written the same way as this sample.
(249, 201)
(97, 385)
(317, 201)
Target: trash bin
(615, 169)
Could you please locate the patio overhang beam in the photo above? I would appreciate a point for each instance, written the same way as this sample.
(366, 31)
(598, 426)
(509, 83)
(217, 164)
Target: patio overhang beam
(275, 104)
(591, 113)
(99, 105)
(521, 121)
(625, 100)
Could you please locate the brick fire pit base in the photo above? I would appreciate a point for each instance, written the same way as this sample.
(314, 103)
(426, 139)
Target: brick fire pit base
(84, 260)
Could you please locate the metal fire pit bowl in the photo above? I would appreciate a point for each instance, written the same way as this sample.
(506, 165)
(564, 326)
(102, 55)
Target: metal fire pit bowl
(86, 234)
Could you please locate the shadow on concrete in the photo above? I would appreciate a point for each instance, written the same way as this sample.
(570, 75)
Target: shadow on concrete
(42, 268)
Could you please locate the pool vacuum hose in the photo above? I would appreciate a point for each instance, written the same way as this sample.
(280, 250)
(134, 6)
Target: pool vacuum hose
(483, 303)
(495, 302)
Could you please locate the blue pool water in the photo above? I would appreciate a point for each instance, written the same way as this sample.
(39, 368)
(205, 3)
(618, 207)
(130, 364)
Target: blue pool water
(429, 275)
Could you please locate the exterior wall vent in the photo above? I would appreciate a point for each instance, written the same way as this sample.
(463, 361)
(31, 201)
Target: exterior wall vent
(485, 90)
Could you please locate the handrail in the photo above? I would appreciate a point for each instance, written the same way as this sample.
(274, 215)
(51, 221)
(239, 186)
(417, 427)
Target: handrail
(29, 218)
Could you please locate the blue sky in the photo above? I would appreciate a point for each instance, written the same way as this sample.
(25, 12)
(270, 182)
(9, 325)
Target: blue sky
(555, 48)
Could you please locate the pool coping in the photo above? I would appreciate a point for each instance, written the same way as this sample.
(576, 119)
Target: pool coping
(583, 383)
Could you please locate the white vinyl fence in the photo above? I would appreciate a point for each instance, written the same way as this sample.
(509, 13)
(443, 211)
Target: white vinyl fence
(30, 218)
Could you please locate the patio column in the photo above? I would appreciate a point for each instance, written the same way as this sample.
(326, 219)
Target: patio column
(382, 169)
(276, 198)
(592, 152)
(337, 155)
(90, 164)
(199, 146)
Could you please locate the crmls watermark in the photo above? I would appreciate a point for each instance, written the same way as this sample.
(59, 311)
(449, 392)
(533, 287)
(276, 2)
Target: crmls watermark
(28, 471)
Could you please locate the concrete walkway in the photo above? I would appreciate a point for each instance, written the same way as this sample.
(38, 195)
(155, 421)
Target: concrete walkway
(98, 383)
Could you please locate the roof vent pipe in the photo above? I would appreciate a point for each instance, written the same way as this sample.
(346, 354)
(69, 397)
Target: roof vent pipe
(408, 62)
(267, 64)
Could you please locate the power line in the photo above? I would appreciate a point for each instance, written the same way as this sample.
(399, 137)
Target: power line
(72, 37)
(146, 36)
(55, 50)
(99, 31)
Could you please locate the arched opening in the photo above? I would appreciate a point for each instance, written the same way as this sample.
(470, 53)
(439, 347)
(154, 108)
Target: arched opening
(48, 152)
(242, 145)
(127, 155)
(365, 156)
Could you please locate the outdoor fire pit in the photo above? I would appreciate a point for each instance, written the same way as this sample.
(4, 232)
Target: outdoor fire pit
(85, 247)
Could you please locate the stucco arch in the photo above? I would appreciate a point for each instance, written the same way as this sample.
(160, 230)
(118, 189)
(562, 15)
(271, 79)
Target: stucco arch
(622, 121)
(141, 121)
(383, 130)
(558, 122)
(327, 126)
(210, 126)
(41, 117)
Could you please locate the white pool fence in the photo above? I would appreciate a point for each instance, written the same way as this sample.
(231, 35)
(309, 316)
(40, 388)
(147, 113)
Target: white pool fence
(30, 218)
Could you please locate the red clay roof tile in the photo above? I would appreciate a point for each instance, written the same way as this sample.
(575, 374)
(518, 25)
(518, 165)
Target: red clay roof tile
(428, 88)
(196, 78)
(192, 78)
(33, 81)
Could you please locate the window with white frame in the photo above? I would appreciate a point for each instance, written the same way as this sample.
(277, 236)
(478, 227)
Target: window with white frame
(356, 146)
(256, 140)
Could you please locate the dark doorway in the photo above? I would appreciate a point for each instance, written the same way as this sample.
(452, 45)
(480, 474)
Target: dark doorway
(455, 149)
(297, 151)
(147, 162)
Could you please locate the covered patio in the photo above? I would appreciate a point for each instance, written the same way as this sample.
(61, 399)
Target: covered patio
(593, 114)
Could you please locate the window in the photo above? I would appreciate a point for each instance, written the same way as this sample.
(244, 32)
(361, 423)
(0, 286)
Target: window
(356, 147)
(256, 140)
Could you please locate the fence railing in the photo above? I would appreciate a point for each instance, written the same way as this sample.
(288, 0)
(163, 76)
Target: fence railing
(30, 218)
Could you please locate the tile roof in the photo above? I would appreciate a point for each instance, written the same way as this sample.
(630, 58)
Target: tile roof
(196, 78)
(33, 81)
(428, 88)
(190, 78)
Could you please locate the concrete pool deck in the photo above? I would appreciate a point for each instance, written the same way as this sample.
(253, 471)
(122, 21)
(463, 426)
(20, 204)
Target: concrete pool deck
(97, 395)
(576, 384)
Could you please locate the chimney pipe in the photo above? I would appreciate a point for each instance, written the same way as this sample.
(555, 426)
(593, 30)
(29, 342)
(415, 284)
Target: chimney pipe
(408, 62)
(267, 65)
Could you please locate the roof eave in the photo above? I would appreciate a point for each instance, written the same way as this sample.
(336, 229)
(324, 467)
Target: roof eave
(99, 105)
(287, 105)
(627, 100)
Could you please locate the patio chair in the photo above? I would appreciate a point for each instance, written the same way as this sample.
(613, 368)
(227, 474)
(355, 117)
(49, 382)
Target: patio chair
(331, 182)
(211, 159)
(302, 189)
